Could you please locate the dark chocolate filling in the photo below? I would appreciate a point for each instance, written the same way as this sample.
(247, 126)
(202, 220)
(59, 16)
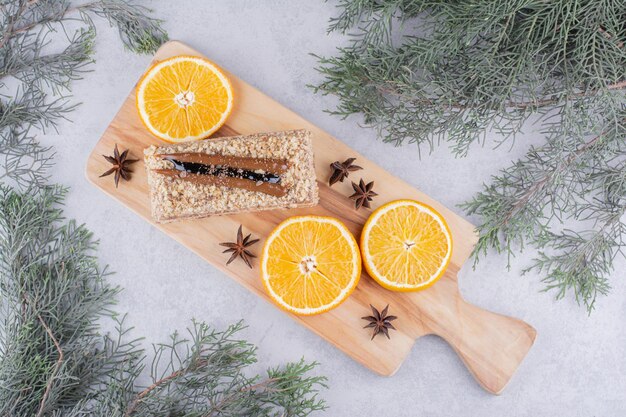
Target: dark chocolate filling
(224, 171)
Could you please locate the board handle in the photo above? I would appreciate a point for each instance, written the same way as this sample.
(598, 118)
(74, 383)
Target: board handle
(491, 345)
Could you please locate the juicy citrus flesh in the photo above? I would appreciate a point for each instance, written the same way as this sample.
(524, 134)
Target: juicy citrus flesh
(406, 245)
(310, 264)
(184, 98)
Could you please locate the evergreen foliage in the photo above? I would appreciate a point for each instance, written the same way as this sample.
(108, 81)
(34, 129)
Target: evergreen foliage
(54, 362)
(35, 78)
(428, 72)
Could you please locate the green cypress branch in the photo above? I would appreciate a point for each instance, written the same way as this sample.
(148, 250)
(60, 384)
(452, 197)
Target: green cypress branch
(429, 72)
(138, 32)
(44, 76)
(54, 362)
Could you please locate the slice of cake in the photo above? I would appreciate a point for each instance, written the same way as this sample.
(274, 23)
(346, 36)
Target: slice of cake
(230, 175)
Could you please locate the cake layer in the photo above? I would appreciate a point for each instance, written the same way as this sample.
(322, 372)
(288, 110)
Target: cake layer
(229, 175)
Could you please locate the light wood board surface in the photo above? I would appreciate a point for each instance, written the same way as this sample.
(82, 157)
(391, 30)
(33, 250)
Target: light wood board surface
(491, 345)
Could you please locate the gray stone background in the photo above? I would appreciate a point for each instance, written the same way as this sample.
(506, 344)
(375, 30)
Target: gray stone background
(577, 366)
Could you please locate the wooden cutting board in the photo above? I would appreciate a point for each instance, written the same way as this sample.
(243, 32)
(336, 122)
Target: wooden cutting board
(491, 345)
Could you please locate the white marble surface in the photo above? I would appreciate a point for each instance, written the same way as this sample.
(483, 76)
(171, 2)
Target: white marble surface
(578, 364)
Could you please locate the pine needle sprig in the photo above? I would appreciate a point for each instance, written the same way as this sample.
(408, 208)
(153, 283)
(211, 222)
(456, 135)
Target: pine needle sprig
(51, 294)
(139, 32)
(551, 179)
(581, 261)
(24, 161)
(54, 362)
(35, 80)
(428, 73)
(28, 61)
(204, 375)
(577, 176)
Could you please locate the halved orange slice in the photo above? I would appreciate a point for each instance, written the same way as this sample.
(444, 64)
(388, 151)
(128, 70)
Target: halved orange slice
(406, 245)
(310, 264)
(184, 98)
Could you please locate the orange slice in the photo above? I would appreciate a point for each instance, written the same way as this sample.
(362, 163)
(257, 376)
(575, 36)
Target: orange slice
(406, 245)
(184, 98)
(310, 264)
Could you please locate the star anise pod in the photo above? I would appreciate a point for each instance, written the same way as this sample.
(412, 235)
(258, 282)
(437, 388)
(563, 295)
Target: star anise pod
(120, 164)
(380, 322)
(363, 194)
(239, 248)
(341, 170)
